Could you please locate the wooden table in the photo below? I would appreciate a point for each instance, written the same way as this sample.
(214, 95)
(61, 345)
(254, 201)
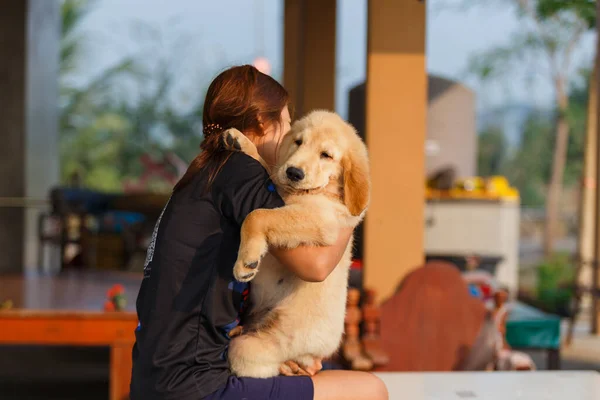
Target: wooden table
(549, 385)
(68, 310)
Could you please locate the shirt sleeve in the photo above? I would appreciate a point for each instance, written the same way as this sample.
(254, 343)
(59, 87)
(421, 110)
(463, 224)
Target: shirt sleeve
(242, 186)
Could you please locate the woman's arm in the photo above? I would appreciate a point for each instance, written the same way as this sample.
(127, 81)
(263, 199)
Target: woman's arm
(312, 263)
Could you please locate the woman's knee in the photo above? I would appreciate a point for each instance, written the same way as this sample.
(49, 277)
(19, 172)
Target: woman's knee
(379, 388)
(349, 385)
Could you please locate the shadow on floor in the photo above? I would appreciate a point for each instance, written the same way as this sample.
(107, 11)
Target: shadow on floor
(53, 373)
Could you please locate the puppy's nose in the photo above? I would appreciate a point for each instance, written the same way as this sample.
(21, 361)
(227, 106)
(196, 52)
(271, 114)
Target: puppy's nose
(294, 174)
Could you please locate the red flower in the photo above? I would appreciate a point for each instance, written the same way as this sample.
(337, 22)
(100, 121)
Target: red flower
(115, 291)
(109, 306)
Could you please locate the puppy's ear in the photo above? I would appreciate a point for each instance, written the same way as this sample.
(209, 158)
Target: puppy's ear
(357, 182)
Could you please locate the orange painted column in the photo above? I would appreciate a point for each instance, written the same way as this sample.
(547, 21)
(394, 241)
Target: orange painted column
(396, 108)
(309, 54)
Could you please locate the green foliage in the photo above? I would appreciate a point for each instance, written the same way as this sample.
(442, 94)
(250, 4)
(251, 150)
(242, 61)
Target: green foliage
(498, 62)
(102, 133)
(577, 119)
(549, 34)
(528, 167)
(492, 149)
(555, 279)
(583, 9)
(72, 12)
(547, 38)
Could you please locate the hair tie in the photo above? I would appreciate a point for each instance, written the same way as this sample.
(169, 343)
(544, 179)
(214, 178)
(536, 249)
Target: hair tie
(211, 129)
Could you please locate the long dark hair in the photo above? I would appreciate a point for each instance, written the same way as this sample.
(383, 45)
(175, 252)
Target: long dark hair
(240, 97)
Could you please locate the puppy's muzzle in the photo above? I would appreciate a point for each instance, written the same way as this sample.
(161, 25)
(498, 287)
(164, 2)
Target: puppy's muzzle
(294, 174)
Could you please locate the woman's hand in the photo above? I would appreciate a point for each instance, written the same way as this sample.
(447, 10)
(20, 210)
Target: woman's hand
(292, 368)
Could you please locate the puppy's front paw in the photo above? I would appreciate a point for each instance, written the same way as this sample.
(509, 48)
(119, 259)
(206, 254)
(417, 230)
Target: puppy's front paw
(243, 272)
(250, 254)
(231, 139)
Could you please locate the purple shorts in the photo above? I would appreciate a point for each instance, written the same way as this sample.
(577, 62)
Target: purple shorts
(276, 388)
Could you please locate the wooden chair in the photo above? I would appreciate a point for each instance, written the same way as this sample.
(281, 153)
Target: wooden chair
(432, 323)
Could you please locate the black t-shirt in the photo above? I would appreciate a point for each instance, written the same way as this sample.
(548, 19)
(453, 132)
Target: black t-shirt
(189, 300)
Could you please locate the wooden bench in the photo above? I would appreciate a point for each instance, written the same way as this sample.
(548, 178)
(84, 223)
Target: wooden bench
(68, 310)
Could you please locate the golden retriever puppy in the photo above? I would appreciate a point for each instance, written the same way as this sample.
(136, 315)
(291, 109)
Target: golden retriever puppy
(323, 177)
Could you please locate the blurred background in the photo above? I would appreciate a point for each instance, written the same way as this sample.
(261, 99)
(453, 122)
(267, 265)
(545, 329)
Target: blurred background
(101, 119)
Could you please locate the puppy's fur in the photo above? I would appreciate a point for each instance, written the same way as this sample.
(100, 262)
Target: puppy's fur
(292, 319)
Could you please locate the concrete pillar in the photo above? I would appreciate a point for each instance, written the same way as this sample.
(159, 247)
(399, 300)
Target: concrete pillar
(29, 50)
(396, 112)
(595, 86)
(309, 54)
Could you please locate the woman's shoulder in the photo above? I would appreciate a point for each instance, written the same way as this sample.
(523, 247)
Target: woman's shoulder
(242, 186)
(241, 166)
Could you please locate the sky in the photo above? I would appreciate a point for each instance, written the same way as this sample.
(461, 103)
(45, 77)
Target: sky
(198, 38)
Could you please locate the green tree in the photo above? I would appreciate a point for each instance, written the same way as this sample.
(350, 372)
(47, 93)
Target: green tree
(103, 134)
(576, 117)
(551, 31)
(90, 132)
(491, 156)
(529, 167)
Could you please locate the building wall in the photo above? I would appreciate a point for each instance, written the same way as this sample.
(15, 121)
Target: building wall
(451, 124)
(451, 127)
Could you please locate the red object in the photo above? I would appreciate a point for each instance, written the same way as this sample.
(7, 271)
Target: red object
(162, 168)
(486, 290)
(114, 298)
(109, 306)
(115, 291)
(356, 264)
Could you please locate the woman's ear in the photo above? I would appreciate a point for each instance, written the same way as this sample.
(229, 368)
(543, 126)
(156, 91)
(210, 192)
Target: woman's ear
(357, 182)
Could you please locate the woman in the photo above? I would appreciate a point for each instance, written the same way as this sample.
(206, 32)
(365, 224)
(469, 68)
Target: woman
(189, 302)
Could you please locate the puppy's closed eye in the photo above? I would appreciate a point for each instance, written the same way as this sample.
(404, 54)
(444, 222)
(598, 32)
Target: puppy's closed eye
(326, 155)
